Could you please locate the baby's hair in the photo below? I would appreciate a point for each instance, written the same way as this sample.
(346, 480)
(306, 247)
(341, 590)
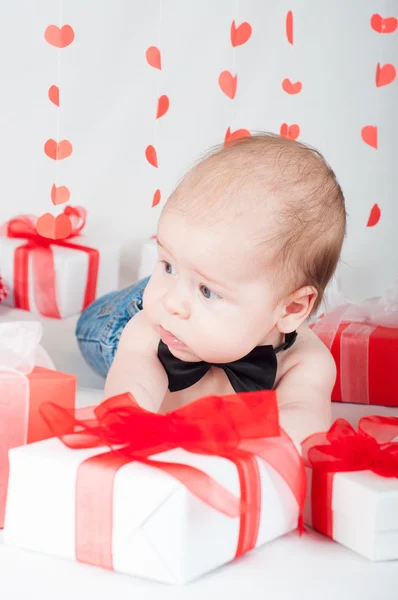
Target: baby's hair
(296, 183)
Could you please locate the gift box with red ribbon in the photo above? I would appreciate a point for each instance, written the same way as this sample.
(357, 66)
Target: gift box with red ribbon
(353, 485)
(24, 386)
(363, 340)
(56, 277)
(166, 497)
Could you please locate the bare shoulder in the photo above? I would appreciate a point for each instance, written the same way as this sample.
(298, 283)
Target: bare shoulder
(139, 335)
(311, 357)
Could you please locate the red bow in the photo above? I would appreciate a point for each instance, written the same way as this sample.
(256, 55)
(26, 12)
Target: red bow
(342, 449)
(237, 427)
(39, 249)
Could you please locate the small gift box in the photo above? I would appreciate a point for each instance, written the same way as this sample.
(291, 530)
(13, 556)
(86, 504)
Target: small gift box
(149, 258)
(353, 485)
(172, 496)
(56, 278)
(363, 340)
(24, 386)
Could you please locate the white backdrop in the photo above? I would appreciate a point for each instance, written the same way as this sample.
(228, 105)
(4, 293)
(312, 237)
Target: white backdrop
(109, 93)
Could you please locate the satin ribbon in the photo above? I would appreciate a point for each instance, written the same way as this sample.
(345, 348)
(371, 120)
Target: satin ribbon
(363, 319)
(20, 352)
(239, 428)
(40, 251)
(341, 450)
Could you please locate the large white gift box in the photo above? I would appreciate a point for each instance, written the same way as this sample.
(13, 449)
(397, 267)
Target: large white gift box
(158, 529)
(148, 258)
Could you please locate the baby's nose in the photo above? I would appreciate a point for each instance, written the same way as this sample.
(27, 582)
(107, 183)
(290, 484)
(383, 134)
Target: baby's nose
(177, 304)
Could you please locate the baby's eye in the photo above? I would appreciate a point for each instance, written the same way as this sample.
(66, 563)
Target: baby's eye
(169, 268)
(207, 292)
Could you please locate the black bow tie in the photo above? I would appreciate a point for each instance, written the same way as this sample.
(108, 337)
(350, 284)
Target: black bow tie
(255, 371)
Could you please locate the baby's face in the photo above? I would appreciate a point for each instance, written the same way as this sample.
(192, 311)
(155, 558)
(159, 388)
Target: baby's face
(210, 296)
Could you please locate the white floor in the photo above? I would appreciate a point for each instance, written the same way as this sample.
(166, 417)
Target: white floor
(291, 568)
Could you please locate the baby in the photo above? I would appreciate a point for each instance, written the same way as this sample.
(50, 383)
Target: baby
(247, 243)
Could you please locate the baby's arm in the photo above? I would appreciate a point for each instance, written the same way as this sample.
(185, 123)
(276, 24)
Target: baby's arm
(136, 367)
(304, 393)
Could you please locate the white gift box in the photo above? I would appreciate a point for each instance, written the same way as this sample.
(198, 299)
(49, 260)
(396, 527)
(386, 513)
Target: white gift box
(71, 269)
(148, 259)
(160, 530)
(364, 513)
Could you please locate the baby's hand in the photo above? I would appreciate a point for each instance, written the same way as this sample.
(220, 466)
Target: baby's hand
(136, 367)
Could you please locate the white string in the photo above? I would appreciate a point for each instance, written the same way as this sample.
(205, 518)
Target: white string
(160, 73)
(58, 127)
(234, 73)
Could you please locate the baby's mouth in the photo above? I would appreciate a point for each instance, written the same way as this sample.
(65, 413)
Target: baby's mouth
(171, 340)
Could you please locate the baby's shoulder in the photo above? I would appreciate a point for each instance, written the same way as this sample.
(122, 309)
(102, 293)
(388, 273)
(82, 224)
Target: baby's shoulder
(309, 356)
(139, 334)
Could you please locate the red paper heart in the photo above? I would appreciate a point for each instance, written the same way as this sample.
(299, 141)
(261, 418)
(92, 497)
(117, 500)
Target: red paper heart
(387, 25)
(290, 131)
(385, 74)
(228, 83)
(59, 37)
(163, 106)
(231, 136)
(53, 94)
(153, 57)
(290, 87)
(374, 216)
(151, 156)
(369, 135)
(58, 150)
(55, 228)
(289, 27)
(156, 198)
(59, 195)
(241, 34)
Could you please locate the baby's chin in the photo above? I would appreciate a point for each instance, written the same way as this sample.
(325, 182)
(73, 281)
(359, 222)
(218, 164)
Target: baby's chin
(186, 355)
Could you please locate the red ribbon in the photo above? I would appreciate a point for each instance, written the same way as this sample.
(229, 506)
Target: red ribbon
(237, 427)
(39, 249)
(342, 449)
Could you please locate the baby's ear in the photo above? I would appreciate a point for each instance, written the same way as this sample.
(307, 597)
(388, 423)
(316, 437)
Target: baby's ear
(297, 308)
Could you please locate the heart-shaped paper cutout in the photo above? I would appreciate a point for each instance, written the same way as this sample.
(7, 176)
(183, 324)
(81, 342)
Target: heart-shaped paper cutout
(385, 74)
(59, 195)
(387, 25)
(369, 135)
(163, 106)
(54, 228)
(241, 34)
(290, 87)
(153, 57)
(289, 27)
(374, 216)
(53, 94)
(151, 156)
(290, 131)
(156, 198)
(58, 150)
(228, 83)
(59, 37)
(231, 136)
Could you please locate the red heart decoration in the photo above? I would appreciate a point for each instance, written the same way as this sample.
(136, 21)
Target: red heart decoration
(156, 198)
(241, 34)
(291, 88)
(151, 156)
(385, 74)
(369, 135)
(59, 37)
(228, 83)
(290, 131)
(153, 57)
(58, 150)
(289, 27)
(53, 94)
(59, 195)
(374, 216)
(55, 228)
(231, 136)
(387, 25)
(163, 106)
